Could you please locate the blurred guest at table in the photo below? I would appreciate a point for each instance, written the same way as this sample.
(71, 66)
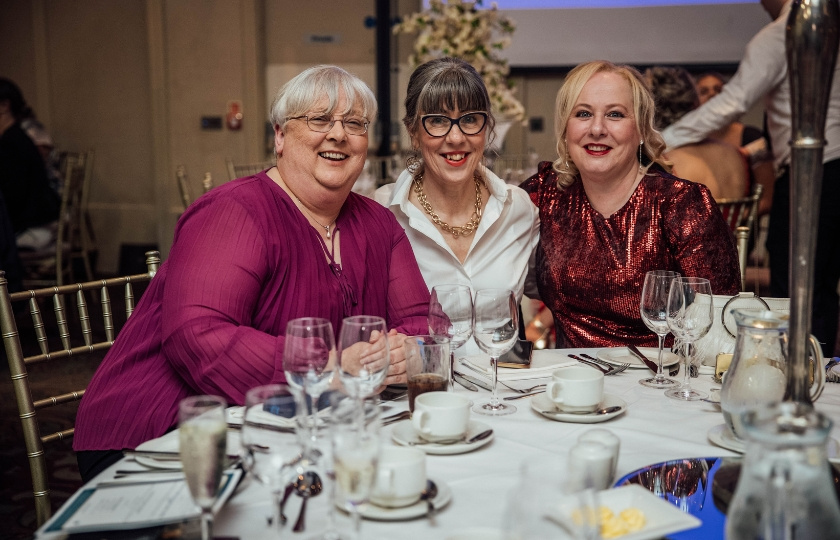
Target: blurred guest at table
(465, 224)
(32, 205)
(751, 141)
(9, 257)
(718, 165)
(249, 256)
(610, 212)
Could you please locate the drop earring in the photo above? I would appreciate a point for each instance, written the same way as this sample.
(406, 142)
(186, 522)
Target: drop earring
(641, 167)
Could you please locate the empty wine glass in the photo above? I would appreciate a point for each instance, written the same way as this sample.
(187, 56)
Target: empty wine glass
(363, 354)
(690, 314)
(309, 361)
(654, 310)
(496, 328)
(450, 316)
(271, 442)
(356, 448)
(202, 436)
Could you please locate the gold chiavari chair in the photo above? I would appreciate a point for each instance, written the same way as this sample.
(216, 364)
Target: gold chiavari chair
(740, 215)
(238, 170)
(184, 185)
(66, 335)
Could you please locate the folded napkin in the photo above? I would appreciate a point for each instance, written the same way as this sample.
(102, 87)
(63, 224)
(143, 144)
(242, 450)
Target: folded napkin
(543, 363)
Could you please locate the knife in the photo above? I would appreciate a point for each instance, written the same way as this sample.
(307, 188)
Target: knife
(638, 354)
(473, 380)
(465, 383)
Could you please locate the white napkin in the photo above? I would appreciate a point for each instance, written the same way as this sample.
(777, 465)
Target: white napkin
(543, 363)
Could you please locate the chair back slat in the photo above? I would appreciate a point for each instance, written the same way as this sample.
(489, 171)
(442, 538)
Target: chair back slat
(61, 338)
(84, 318)
(740, 215)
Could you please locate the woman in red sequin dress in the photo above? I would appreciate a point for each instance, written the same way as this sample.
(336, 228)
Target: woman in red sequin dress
(610, 212)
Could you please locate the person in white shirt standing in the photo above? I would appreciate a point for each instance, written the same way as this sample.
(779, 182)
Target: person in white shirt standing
(763, 74)
(465, 224)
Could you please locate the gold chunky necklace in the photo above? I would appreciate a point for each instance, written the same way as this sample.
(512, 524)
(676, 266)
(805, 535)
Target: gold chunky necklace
(465, 230)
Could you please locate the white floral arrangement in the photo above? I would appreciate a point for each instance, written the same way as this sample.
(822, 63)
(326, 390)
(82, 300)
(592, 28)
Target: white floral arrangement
(458, 28)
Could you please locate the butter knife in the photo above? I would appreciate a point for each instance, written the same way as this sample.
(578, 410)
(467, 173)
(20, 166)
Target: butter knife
(465, 383)
(638, 354)
(473, 380)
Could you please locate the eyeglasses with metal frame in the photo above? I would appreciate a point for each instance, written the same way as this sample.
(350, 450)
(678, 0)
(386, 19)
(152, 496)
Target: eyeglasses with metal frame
(323, 124)
(439, 125)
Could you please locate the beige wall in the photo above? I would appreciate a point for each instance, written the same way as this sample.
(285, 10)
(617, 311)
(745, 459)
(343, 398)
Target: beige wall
(132, 79)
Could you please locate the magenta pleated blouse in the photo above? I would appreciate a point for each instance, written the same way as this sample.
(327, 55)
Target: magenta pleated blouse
(244, 262)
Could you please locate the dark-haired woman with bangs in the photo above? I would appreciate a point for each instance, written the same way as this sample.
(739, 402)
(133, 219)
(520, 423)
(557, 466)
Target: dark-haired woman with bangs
(465, 224)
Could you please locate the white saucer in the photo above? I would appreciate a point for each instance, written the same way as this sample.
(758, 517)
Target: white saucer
(418, 509)
(547, 408)
(721, 436)
(621, 355)
(404, 434)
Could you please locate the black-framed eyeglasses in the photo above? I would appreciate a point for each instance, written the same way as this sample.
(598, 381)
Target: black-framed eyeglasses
(439, 125)
(323, 124)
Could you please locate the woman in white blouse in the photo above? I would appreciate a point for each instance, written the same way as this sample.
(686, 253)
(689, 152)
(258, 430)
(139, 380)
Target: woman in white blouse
(465, 224)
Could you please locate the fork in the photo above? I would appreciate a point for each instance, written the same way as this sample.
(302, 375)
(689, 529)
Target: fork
(520, 390)
(618, 369)
(612, 370)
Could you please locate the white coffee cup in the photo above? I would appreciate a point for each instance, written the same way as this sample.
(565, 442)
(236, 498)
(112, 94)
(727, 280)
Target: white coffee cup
(576, 388)
(439, 416)
(609, 440)
(590, 466)
(400, 477)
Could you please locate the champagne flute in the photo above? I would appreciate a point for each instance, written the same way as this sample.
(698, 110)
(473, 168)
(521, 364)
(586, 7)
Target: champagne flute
(356, 448)
(450, 316)
(202, 436)
(496, 328)
(270, 452)
(690, 315)
(308, 361)
(363, 355)
(654, 310)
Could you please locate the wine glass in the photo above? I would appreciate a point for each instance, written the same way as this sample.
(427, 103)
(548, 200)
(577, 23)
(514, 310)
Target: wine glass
(496, 328)
(270, 452)
(690, 315)
(308, 361)
(363, 354)
(202, 436)
(450, 316)
(654, 310)
(356, 448)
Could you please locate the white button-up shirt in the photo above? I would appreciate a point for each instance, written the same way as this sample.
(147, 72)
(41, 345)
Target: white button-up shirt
(502, 249)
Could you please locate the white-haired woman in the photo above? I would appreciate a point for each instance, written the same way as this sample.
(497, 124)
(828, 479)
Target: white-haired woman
(249, 256)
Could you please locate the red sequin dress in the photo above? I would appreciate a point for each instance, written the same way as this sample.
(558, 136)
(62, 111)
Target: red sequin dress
(590, 269)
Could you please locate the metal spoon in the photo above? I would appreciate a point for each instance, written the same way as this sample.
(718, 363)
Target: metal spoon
(475, 438)
(429, 495)
(605, 410)
(307, 485)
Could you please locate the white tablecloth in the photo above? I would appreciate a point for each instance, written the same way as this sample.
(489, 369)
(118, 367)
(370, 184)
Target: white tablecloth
(653, 429)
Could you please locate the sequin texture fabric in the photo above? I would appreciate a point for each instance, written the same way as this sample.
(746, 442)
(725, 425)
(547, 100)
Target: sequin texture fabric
(590, 269)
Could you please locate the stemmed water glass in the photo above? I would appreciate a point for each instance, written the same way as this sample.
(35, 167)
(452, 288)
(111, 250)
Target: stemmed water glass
(356, 448)
(450, 316)
(308, 361)
(270, 452)
(202, 436)
(654, 310)
(495, 327)
(690, 315)
(363, 354)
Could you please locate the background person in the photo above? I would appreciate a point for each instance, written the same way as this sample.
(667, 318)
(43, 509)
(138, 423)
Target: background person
(763, 75)
(610, 212)
(465, 224)
(716, 164)
(248, 257)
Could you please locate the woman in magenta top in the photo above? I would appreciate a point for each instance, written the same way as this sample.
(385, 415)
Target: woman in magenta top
(248, 257)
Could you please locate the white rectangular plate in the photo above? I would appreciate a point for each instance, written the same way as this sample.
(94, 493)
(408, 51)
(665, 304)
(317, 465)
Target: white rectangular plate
(661, 517)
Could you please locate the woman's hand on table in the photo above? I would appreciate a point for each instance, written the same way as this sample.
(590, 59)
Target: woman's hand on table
(396, 371)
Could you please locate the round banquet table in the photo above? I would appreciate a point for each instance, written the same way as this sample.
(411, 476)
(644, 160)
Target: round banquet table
(653, 429)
